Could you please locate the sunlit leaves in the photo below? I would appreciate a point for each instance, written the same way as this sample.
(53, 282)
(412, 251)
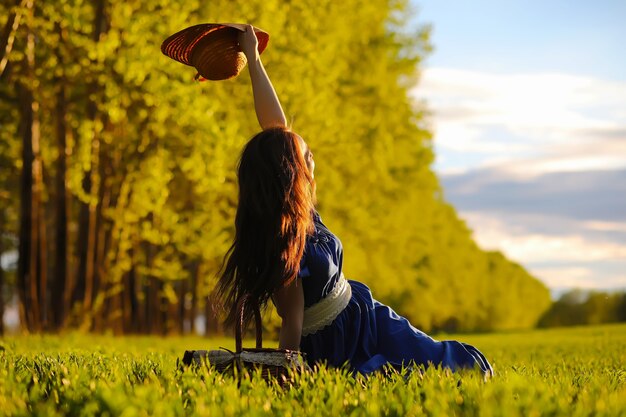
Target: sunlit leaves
(161, 149)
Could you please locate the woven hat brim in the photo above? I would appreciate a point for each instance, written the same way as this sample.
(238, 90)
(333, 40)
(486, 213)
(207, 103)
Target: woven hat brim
(180, 46)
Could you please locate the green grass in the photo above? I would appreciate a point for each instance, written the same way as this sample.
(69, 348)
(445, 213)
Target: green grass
(562, 372)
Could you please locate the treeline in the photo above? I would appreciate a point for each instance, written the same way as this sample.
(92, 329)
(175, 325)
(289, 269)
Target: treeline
(579, 307)
(117, 171)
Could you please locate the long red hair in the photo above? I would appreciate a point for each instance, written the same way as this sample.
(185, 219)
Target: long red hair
(274, 217)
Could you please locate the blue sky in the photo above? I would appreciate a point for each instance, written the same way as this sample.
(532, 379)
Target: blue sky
(528, 108)
(577, 37)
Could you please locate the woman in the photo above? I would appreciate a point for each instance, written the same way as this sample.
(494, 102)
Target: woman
(284, 252)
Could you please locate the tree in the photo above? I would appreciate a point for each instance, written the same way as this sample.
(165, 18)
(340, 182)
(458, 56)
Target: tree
(136, 164)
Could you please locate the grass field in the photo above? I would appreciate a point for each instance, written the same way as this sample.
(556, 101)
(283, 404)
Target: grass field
(562, 372)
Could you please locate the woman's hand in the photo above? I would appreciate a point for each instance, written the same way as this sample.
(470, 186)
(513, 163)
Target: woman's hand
(249, 43)
(266, 104)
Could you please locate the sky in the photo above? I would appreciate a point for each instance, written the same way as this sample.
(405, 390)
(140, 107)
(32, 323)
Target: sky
(527, 102)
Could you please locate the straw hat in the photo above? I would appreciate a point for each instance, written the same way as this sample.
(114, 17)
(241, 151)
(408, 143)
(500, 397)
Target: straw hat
(211, 48)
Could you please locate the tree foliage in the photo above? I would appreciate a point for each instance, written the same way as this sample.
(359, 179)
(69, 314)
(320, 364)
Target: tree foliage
(150, 156)
(578, 307)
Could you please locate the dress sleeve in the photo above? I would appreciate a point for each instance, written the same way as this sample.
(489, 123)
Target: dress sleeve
(304, 269)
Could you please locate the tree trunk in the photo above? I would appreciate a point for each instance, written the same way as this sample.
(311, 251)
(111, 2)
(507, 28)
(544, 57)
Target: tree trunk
(1, 275)
(28, 305)
(128, 297)
(155, 301)
(8, 35)
(60, 264)
(87, 218)
(101, 232)
(90, 226)
(182, 324)
(193, 313)
(31, 265)
(170, 311)
(100, 314)
(208, 318)
(116, 312)
(39, 236)
(70, 318)
(130, 306)
(145, 306)
(141, 298)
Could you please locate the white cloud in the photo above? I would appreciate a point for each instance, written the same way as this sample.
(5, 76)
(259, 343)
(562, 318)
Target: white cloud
(530, 168)
(578, 277)
(559, 256)
(524, 101)
(605, 226)
(537, 248)
(543, 122)
(503, 129)
(527, 247)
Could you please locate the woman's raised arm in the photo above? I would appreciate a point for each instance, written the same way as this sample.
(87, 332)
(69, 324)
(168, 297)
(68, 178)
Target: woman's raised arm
(266, 103)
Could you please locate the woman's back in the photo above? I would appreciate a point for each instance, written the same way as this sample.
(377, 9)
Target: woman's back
(322, 263)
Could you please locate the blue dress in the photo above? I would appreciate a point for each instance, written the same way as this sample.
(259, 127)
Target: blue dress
(367, 334)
